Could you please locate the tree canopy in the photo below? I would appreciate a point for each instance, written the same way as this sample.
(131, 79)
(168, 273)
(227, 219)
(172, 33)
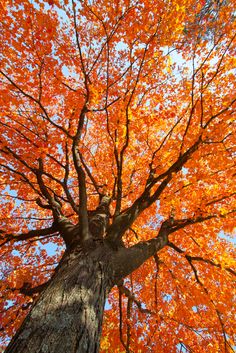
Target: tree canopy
(134, 100)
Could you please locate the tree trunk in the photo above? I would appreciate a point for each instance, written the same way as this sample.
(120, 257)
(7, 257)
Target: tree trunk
(67, 317)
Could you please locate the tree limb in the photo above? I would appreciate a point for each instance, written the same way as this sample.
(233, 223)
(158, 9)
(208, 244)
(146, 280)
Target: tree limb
(125, 219)
(126, 260)
(83, 213)
(28, 290)
(43, 109)
(54, 205)
(124, 290)
(199, 258)
(25, 236)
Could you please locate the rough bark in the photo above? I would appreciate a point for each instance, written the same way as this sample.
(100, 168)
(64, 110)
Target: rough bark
(67, 317)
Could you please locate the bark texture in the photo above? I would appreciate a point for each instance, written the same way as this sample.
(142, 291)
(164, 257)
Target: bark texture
(68, 315)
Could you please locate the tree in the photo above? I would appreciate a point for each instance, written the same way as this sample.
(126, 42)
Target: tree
(118, 175)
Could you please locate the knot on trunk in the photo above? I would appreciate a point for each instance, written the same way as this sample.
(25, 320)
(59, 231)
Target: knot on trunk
(98, 222)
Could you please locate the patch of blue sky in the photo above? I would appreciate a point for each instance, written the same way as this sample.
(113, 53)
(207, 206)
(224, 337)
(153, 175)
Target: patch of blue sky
(166, 297)
(230, 237)
(8, 192)
(181, 348)
(107, 305)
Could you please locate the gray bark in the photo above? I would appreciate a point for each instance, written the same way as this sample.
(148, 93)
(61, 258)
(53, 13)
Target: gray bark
(67, 317)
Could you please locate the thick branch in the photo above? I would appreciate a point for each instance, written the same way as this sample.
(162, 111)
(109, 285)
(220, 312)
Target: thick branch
(127, 135)
(99, 218)
(127, 260)
(96, 186)
(83, 213)
(54, 205)
(28, 290)
(125, 219)
(25, 236)
(136, 255)
(65, 180)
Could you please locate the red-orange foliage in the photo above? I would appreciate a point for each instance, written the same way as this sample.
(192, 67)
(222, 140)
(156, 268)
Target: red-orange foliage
(154, 81)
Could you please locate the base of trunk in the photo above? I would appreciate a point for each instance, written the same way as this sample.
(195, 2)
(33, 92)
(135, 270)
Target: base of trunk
(67, 317)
